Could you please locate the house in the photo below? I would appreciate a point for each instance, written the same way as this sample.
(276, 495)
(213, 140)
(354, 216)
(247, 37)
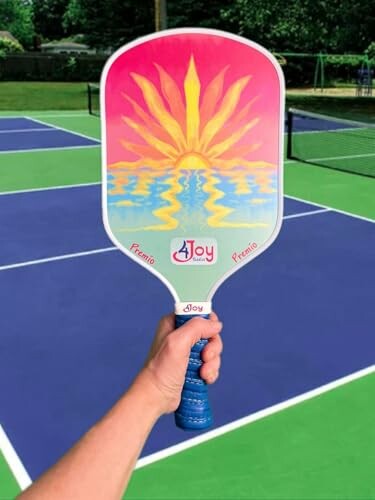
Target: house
(66, 47)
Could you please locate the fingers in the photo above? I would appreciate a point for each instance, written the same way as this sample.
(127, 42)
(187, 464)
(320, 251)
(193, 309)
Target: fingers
(167, 324)
(213, 348)
(198, 328)
(214, 316)
(211, 359)
(210, 370)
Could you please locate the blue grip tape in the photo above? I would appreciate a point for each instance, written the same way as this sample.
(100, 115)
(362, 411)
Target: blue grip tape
(194, 412)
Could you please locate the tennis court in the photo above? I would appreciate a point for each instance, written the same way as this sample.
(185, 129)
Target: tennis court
(294, 405)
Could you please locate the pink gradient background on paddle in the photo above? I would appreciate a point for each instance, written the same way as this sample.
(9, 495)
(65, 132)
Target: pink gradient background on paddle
(211, 53)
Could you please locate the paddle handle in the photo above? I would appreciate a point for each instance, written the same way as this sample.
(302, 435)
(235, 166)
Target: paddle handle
(194, 411)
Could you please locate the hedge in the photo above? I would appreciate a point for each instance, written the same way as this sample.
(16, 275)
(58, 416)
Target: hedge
(31, 66)
(51, 67)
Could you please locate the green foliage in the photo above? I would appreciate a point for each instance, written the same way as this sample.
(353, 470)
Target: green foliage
(304, 25)
(280, 25)
(8, 46)
(16, 17)
(48, 17)
(370, 51)
(342, 69)
(200, 13)
(110, 23)
(71, 66)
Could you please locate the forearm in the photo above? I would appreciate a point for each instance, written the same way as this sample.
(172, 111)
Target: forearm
(100, 464)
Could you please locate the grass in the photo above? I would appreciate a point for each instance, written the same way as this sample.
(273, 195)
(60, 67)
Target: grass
(19, 96)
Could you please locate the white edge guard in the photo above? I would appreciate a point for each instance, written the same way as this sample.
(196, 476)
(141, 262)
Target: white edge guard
(103, 80)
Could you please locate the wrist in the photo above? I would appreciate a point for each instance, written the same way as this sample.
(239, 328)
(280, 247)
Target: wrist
(148, 392)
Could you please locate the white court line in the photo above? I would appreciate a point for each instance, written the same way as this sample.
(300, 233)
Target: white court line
(342, 212)
(56, 258)
(331, 158)
(7, 267)
(59, 148)
(61, 128)
(236, 424)
(18, 470)
(332, 131)
(304, 214)
(68, 115)
(18, 130)
(35, 190)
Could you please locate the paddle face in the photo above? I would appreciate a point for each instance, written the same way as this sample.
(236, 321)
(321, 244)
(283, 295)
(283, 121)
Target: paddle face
(192, 132)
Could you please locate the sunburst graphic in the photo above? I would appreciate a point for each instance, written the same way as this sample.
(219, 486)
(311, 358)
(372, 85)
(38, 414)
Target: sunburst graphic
(191, 131)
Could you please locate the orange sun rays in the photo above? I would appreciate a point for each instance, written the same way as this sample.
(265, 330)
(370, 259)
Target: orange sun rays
(195, 129)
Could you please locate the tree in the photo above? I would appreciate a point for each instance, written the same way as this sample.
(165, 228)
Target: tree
(304, 25)
(110, 23)
(48, 18)
(280, 25)
(16, 17)
(200, 13)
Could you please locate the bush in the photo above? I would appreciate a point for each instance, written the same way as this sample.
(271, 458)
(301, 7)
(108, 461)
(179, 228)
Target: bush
(342, 69)
(8, 46)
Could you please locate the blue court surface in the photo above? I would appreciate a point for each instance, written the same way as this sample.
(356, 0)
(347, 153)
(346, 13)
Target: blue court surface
(29, 134)
(78, 318)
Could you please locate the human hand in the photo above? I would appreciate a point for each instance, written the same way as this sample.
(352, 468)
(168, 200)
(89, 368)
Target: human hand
(167, 362)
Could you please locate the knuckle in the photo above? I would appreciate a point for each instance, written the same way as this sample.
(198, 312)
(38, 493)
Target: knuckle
(198, 321)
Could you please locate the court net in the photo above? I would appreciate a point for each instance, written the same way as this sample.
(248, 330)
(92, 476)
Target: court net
(331, 142)
(93, 99)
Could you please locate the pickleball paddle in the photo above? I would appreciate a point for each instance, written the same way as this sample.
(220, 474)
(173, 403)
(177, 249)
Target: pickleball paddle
(192, 131)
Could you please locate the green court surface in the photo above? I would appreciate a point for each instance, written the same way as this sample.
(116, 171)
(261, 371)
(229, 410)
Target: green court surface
(319, 449)
(322, 448)
(43, 169)
(8, 485)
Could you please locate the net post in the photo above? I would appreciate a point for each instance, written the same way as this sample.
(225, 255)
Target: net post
(323, 83)
(369, 76)
(89, 103)
(289, 141)
(316, 73)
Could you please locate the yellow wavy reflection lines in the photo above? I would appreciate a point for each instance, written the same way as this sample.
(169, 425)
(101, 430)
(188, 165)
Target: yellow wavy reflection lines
(143, 184)
(166, 213)
(220, 211)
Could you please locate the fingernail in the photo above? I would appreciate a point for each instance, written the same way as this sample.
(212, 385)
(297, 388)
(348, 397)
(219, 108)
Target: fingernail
(212, 375)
